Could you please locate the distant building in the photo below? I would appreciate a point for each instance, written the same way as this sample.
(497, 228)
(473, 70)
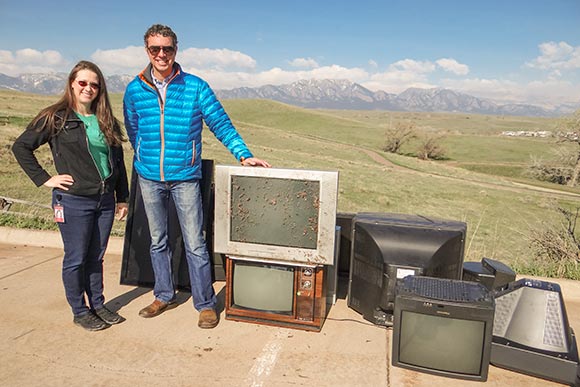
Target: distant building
(527, 133)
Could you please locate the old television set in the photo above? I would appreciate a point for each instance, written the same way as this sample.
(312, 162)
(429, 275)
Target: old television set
(278, 226)
(277, 294)
(277, 214)
(386, 247)
(443, 327)
(532, 334)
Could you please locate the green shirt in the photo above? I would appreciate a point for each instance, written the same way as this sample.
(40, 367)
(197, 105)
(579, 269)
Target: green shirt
(97, 144)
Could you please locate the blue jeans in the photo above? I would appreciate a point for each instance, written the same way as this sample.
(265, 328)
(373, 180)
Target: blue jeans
(186, 196)
(85, 233)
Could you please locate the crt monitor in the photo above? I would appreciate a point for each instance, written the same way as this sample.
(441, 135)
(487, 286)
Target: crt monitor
(278, 294)
(276, 214)
(443, 327)
(387, 247)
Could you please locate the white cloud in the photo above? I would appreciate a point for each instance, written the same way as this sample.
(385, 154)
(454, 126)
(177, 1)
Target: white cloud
(226, 69)
(547, 93)
(551, 92)
(219, 59)
(31, 61)
(396, 81)
(304, 63)
(504, 90)
(452, 66)
(412, 66)
(133, 59)
(400, 76)
(129, 60)
(560, 56)
(276, 76)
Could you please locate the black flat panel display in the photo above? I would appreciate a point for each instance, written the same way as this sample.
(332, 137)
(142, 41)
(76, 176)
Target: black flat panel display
(136, 267)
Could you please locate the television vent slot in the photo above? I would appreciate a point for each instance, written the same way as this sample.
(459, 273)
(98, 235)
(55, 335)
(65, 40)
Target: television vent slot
(505, 306)
(553, 328)
(444, 289)
(374, 277)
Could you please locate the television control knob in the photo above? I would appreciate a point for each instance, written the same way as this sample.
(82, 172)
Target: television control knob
(306, 284)
(307, 272)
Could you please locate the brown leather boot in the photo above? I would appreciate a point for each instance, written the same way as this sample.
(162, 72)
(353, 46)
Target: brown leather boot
(156, 308)
(208, 319)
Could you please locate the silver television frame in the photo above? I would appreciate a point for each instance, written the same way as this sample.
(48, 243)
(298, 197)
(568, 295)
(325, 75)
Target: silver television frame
(323, 254)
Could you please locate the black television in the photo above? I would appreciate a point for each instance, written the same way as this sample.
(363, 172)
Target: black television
(278, 294)
(443, 327)
(386, 247)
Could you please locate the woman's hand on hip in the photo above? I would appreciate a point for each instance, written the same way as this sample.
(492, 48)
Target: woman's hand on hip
(122, 210)
(60, 181)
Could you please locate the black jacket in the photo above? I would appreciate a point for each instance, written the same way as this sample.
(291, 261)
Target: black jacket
(71, 156)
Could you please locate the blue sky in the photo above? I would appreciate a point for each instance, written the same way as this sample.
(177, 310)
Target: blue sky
(509, 50)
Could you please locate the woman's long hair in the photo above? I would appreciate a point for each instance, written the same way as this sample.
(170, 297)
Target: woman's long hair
(101, 106)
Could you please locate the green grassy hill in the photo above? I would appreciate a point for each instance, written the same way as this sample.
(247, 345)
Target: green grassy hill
(501, 209)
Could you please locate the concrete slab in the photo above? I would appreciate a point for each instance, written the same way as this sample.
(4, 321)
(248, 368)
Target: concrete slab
(39, 345)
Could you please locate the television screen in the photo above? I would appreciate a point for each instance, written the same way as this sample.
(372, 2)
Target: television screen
(387, 247)
(443, 327)
(276, 214)
(424, 338)
(263, 287)
(294, 202)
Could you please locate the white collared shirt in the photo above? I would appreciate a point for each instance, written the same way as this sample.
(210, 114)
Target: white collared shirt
(162, 85)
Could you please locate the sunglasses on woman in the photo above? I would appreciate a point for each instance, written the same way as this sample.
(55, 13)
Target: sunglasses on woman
(168, 50)
(93, 85)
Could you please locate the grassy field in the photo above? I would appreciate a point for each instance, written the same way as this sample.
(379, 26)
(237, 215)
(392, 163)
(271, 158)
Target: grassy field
(481, 181)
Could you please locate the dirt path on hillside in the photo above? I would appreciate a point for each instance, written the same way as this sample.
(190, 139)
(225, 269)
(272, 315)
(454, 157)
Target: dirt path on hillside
(518, 187)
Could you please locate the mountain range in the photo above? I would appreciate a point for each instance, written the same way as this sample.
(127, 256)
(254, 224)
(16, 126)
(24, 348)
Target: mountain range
(325, 94)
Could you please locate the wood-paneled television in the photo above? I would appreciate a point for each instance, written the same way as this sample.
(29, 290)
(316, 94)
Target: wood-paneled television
(277, 294)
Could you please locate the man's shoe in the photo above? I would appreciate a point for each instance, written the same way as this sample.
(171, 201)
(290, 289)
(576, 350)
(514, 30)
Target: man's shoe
(109, 317)
(208, 319)
(90, 322)
(156, 308)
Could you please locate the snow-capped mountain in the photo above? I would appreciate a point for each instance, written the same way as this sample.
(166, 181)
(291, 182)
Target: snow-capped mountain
(327, 93)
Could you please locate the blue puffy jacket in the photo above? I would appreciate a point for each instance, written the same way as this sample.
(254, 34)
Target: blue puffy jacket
(166, 137)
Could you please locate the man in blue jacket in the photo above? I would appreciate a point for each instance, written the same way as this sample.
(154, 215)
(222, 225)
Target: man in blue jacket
(164, 110)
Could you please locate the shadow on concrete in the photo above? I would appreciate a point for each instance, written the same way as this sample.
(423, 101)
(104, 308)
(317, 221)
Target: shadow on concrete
(181, 297)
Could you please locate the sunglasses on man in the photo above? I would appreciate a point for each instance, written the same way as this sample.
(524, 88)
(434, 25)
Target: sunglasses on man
(168, 50)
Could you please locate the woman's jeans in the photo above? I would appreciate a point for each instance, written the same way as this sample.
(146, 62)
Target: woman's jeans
(186, 196)
(85, 233)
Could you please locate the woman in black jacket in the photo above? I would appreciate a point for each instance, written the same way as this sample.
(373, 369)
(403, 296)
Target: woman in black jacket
(89, 188)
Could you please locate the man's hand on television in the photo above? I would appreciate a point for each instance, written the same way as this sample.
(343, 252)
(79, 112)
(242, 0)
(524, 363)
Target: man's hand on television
(255, 162)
